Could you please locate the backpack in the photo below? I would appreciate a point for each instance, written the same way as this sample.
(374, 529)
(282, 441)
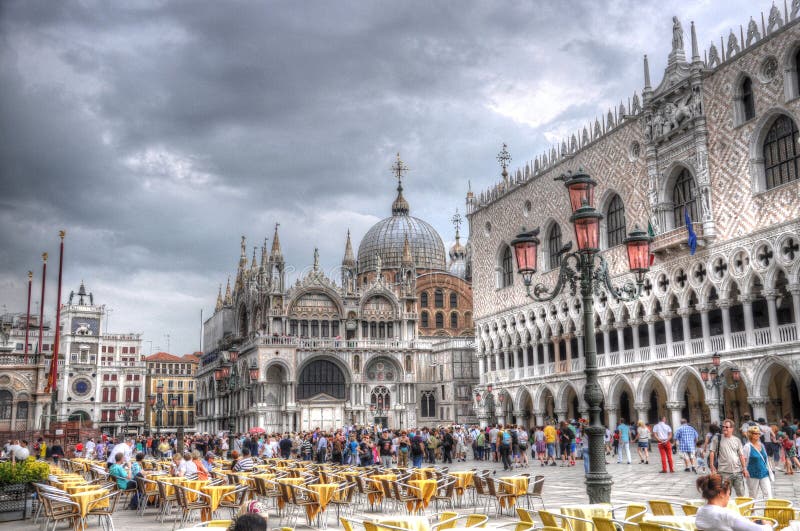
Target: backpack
(716, 438)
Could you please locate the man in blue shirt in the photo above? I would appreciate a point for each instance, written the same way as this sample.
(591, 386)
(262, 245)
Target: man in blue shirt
(624, 440)
(686, 436)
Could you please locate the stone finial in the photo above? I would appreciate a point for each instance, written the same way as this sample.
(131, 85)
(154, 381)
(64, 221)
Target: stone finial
(753, 35)
(646, 74)
(695, 49)
(622, 112)
(276, 253)
(795, 9)
(609, 120)
(218, 307)
(597, 130)
(733, 45)
(713, 56)
(636, 106)
(585, 136)
(775, 20)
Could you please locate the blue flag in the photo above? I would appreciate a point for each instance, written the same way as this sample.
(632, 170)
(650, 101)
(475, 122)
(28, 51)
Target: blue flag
(692, 236)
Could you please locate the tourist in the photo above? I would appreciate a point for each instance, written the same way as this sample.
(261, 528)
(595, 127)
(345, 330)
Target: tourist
(365, 451)
(522, 435)
(727, 458)
(202, 471)
(663, 434)
(757, 464)
(550, 442)
(124, 448)
(432, 445)
(120, 472)
(643, 442)
(417, 449)
(686, 436)
(245, 464)
(624, 445)
(403, 449)
(504, 442)
(714, 515)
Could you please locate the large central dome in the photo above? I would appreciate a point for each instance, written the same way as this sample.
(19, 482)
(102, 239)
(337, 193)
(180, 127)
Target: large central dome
(387, 238)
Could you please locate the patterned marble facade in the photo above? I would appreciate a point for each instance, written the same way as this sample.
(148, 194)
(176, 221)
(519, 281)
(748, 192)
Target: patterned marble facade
(388, 343)
(717, 139)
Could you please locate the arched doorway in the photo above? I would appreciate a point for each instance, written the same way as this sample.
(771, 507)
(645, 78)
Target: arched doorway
(573, 404)
(655, 396)
(781, 392)
(734, 403)
(80, 416)
(526, 406)
(380, 403)
(321, 392)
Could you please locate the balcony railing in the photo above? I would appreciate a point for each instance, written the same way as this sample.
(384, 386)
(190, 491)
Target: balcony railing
(787, 333)
(326, 343)
(676, 238)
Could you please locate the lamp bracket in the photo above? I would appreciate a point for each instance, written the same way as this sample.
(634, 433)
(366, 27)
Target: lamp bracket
(567, 277)
(626, 293)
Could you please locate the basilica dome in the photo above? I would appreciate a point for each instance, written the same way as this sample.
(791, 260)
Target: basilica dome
(387, 239)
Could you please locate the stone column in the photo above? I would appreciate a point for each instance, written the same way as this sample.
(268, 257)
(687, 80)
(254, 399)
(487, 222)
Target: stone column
(651, 330)
(519, 416)
(620, 336)
(713, 410)
(561, 414)
(687, 334)
(613, 416)
(794, 289)
(635, 334)
(482, 368)
(497, 360)
(747, 310)
(556, 351)
(525, 360)
(606, 340)
(539, 415)
(724, 305)
(705, 326)
(667, 317)
(674, 409)
(546, 351)
(642, 409)
(581, 339)
(771, 295)
(506, 358)
(759, 405)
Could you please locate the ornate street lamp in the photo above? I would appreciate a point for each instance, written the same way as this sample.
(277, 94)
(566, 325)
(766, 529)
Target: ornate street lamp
(158, 405)
(126, 414)
(714, 378)
(586, 269)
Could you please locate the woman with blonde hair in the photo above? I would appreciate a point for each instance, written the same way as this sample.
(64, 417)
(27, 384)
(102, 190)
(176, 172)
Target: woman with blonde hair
(643, 442)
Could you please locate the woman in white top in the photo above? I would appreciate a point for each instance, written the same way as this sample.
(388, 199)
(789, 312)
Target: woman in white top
(643, 442)
(714, 516)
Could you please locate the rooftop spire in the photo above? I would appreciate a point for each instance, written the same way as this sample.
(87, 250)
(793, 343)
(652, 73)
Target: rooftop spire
(276, 245)
(646, 74)
(695, 49)
(400, 206)
(254, 264)
(264, 254)
(408, 259)
(504, 158)
(228, 299)
(349, 259)
(218, 307)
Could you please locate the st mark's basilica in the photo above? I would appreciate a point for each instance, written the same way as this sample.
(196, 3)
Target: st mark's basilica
(390, 342)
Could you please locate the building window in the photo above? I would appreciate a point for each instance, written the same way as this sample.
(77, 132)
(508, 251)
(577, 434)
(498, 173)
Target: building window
(453, 299)
(5, 405)
(439, 320)
(506, 268)
(554, 246)
(409, 365)
(780, 152)
(438, 298)
(423, 299)
(424, 320)
(428, 408)
(356, 363)
(321, 376)
(453, 320)
(683, 198)
(615, 216)
(748, 103)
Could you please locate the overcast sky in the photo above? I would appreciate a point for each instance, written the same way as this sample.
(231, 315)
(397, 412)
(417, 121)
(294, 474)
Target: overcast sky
(158, 133)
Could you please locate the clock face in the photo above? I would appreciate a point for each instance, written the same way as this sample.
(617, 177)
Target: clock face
(81, 387)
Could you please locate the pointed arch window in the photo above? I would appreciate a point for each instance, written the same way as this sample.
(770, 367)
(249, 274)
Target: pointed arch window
(615, 224)
(428, 406)
(683, 197)
(781, 153)
(748, 102)
(5, 404)
(554, 246)
(424, 320)
(506, 268)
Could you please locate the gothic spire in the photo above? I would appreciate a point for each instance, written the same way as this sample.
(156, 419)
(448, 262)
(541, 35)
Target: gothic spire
(647, 86)
(264, 255)
(276, 255)
(254, 264)
(349, 258)
(408, 259)
(228, 299)
(218, 307)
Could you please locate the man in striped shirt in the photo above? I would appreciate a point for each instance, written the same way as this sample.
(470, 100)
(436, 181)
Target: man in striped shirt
(686, 436)
(245, 464)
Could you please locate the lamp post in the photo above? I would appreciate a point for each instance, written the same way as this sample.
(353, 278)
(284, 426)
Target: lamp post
(229, 381)
(158, 405)
(587, 270)
(127, 413)
(716, 378)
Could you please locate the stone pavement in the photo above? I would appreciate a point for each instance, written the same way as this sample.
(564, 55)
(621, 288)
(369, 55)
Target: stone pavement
(563, 486)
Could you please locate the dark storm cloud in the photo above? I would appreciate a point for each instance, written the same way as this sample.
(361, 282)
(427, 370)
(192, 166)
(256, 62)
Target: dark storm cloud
(157, 133)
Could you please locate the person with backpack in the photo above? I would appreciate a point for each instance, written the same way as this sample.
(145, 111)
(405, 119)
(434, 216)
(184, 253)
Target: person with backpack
(727, 458)
(447, 446)
(504, 441)
(417, 450)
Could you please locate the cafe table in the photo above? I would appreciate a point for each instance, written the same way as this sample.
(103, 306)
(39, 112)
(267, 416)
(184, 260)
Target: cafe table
(72, 488)
(377, 482)
(194, 484)
(586, 511)
(463, 481)
(423, 473)
(324, 494)
(679, 521)
(516, 485)
(170, 481)
(425, 489)
(216, 494)
(412, 523)
(88, 500)
(287, 481)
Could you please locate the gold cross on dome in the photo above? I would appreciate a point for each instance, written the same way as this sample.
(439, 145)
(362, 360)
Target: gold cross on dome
(399, 168)
(504, 157)
(457, 220)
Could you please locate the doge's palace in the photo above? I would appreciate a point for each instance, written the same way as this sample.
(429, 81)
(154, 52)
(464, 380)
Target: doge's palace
(714, 144)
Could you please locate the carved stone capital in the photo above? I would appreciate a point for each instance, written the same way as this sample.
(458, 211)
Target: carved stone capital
(684, 312)
(675, 405)
(794, 289)
(668, 315)
(746, 299)
(770, 294)
(724, 304)
(641, 406)
(757, 401)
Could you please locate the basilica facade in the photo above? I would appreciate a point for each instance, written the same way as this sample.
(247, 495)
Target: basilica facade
(711, 151)
(390, 342)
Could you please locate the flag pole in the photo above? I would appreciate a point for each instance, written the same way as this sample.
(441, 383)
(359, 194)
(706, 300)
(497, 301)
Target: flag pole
(53, 382)
(41, 306)
(28, 315)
